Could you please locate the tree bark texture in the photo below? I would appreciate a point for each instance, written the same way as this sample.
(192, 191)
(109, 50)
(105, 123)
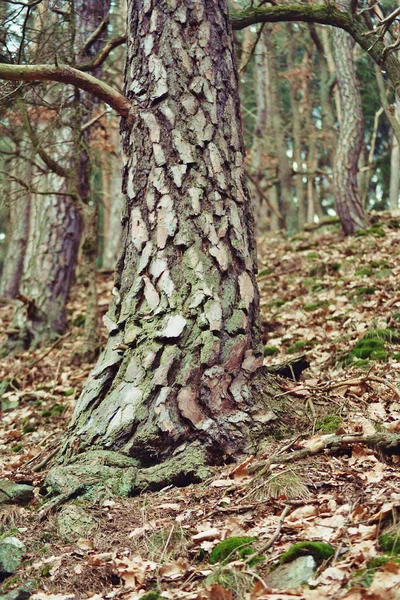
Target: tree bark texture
(113, 200)
(394, 190)
(55, 230)
(350, 142)
(263, 154)
(184, 327)
(285, 170)
(18, 231)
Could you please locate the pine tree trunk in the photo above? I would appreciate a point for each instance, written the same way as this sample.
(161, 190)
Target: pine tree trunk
(284, 167)
(55, 230)
(263, 155)
(18, 231)
(174, 382)
(112, 201)
(351, 137)
(394, 189)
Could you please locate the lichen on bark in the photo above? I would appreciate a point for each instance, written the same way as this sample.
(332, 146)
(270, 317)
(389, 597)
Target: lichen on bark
(174, 384)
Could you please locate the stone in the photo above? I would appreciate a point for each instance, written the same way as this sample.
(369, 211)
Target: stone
(292, 575)
(11, 552)
(74, 522)
(15, 493)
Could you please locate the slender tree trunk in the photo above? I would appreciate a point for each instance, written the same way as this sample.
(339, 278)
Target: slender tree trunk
(263, 153)
(394, 192)
(18, 232)
(350, 143)
(112, 201)
(53, 243)
(174, 381)
(284, 167)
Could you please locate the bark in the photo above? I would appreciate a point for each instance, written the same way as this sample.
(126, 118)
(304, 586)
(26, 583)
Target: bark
(263, 154)
(88, 43)
(285, 170)
(394, 190)
(112, 201)
(296, 128)
(52, 248)
(184, 340)
(18, 231)
(350, 143)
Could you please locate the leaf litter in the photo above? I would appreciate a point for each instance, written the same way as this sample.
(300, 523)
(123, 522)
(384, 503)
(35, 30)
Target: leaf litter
(320, 295)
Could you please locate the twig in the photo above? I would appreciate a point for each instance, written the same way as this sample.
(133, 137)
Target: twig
(60, 339)
(271, 541)
(46, 459)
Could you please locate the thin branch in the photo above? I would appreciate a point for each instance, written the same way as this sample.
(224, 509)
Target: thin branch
(96, 33)
(46, 158)
(71, 76)
(93, 121)
(103, 54)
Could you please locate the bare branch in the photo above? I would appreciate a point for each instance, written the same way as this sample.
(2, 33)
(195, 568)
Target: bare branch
(71, 76)
(103, 54)
(96, 33)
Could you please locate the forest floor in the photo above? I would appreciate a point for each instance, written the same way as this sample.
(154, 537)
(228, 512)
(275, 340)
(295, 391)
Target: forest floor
(338, 302)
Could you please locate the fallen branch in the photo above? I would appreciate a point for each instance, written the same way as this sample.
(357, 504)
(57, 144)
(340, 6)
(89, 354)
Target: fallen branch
(333, 443)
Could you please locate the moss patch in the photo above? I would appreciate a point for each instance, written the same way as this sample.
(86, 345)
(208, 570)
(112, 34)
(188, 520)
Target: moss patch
(232, 548)
(320, 551)
(328, 424)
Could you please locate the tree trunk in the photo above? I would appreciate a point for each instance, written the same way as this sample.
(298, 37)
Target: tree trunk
(394, 192)
(284, 167)
(174, 382)
(112, 201)
(17, 234)
(53, 243)
(263, 154)
(347, 198)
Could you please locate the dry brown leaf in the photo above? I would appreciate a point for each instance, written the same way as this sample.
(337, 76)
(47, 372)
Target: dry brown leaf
(217, 592)
(173, 570)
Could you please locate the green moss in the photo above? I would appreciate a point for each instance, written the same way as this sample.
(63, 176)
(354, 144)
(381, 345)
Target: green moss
(361, 363)
(364, 291)
(28, 429)
(279, 303)
(375, 231)
(312, 255)
(364, 272)
(230, 549)
(396, 356)
(270, 350)
(79, 321)
(328, 424)
(364, 577)
(390, 541)
(298, 346)
(45, 570)
(46, 413)
(390, 335)
(57, 410)
(318, 287)
(17, 447)
(264, 272)
(151, 596)
(320, 551)
(69, 392)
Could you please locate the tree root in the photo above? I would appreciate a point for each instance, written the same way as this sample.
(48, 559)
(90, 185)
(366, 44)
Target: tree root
(98, 474)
